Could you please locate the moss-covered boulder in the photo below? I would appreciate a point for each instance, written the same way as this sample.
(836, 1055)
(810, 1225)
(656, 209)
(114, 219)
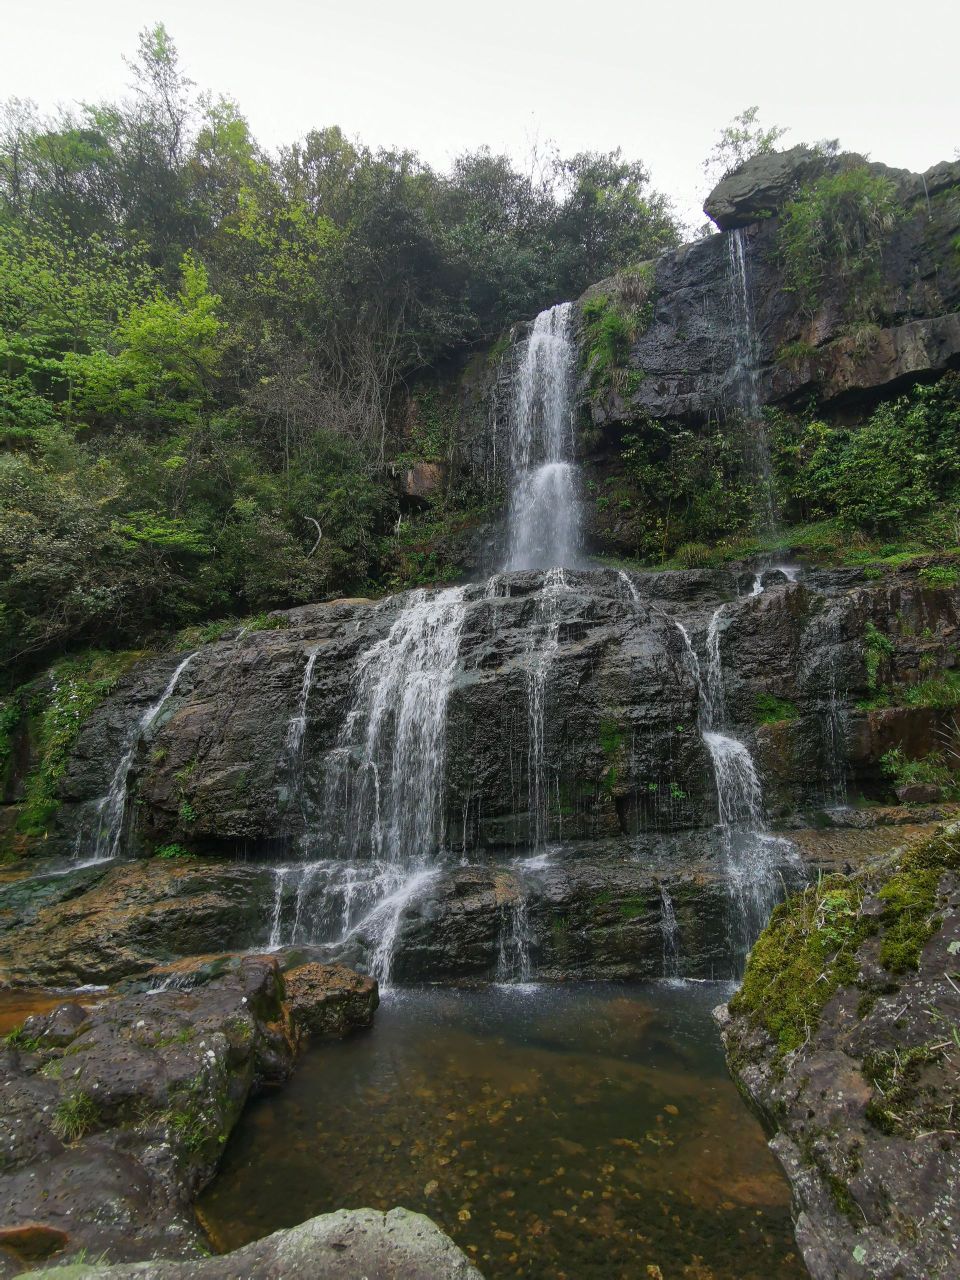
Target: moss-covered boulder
(846, 1036)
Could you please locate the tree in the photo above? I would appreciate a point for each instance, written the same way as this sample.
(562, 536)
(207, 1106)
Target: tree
(741, 139)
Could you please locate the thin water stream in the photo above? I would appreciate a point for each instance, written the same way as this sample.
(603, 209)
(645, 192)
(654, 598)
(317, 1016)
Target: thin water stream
(572, 1133)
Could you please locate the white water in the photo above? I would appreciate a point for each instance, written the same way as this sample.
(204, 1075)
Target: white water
(296, 732)
(747, 365)
(112, 807)
(543, 645)
(376, 840)
(752, 855)
(544, 507)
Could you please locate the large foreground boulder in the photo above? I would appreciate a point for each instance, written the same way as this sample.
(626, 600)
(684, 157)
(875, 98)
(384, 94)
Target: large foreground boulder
(117, 1107)
(844, 1037)
(346, 1245)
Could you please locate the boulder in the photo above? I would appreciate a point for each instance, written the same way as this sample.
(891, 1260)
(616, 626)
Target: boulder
(328, 1000)
(424, 480)
(115, 1114)
(860, 1085)
(761, 185)
(398, 1245)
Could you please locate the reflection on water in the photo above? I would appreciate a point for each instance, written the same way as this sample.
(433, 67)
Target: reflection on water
(562, 1132)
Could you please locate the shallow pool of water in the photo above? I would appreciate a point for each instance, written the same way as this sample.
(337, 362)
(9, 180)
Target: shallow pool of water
(565, 1132)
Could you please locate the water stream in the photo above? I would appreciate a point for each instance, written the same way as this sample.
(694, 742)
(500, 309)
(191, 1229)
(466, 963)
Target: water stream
(378, 833)
(544, 506)
(746, 367)
(112, 807)
(753, 856)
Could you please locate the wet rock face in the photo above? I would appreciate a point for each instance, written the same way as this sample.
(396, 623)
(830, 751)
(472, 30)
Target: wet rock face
(325, 1000)
(129, 918)
(864, 1109)
(688, 353)
(621, 753)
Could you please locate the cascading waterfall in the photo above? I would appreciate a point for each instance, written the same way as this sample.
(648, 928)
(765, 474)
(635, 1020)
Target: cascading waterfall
(671, 935)
(112, 808)
(752, 855)
(746, 365)
(544, 509)
(380, 827)
(544, 643)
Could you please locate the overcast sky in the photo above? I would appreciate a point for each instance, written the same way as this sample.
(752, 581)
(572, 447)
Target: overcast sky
(657, 79)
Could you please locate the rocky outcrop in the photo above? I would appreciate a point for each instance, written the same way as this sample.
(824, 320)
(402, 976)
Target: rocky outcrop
(621, 747)
(118, 1105)
(104, 923)
(115, 1113)
(327, 1000)
(627, 779)
(686, 365)
(398, 1245)
(843, 1038)
(762, 185)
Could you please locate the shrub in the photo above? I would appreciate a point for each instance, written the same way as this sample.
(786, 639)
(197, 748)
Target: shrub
(693, 555)
(74, 1116)
(834, 229)
(772, 710)
(939, 575)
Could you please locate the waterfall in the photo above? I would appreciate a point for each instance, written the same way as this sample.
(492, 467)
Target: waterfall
(752, 855)
(544, 643)
(746, 366)
(671, 935)
(513, 962)
(544, 508)
(296, 730)
(394, 773)
(112, 807)
(380, 826)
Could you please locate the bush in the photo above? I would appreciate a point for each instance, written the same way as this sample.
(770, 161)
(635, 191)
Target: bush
(834, 229)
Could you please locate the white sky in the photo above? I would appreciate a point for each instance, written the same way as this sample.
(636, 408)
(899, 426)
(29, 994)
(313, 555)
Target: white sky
(657, 79)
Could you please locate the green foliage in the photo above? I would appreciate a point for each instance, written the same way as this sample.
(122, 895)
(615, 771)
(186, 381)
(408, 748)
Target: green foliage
(203, 348)
(74, 1116)
(930, 769)
(939, 575)
(772, 710)
(741, 139)
(18, 1039)
(834, 228)
(692, 555)
(876, 648)
(166, 851)
(58, 709)
(882, 475)
(612, 322)
(941, 691)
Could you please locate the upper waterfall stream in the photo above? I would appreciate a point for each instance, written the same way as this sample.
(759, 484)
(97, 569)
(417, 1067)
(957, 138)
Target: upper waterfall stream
(544, 505)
